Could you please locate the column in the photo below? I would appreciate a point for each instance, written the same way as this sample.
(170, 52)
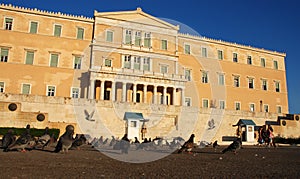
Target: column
(113, 91)
(174, 96)
(102, 87)
(134, 93)
(145, 93)
(164, 95)
(182, 97)
(124, 91)
(154, 94)
(92, 89)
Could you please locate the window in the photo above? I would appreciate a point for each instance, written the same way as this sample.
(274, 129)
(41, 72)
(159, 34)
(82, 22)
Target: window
(147, 40)
(222, 104)
(277, 86)
(146, 64)
(221, 79)
(204, 52)
(204, 77)
(137, 63)
(108, 62)
(127, 61)
(249, 60)
(8, 23)
(220, 54)
(29, 57)
(236, 81)
(188, 102)
(109, 36)
(187, 74)
(252, 107)
(278, 109)
(54, 60)
(33, 27)
(263, 62)
(77, 62)
(2, 87)
(80, 33)
(4, 55)
(266, 108)
(25, 88)
(128, 37)
(57, 30)
(235, 57)
(75, 92)
(205, 103)
(138, 39)
(250, 83)
(275, 65)
(164, 68)
(237, 106)
(187, 49)
(50, 90)
(164, 44)
(264, 85)
(133, 124)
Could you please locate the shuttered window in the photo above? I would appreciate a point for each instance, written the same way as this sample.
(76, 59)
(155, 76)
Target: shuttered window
(80, 32)
(26, 89)
(29, 58)
(57, 30)
(33, 27)
(54, 60)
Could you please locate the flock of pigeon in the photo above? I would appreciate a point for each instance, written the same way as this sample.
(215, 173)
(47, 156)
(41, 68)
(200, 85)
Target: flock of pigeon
(28, 142)
(66, 141)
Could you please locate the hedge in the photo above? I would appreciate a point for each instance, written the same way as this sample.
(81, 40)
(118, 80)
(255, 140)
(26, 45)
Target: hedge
(33, 131)
(290, 140)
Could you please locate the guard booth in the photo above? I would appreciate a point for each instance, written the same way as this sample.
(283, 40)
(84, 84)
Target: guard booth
(247, 129)
(135, 125)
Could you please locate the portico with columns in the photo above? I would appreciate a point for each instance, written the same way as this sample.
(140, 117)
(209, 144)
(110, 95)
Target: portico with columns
(136, 89)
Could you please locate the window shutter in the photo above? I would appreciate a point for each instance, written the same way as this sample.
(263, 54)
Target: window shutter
(33, 27)
(29, 58)
(54, 60)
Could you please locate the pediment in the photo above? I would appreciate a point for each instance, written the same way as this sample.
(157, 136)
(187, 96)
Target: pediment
(137, 16)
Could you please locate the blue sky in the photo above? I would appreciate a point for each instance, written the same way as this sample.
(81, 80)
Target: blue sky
(268, 24)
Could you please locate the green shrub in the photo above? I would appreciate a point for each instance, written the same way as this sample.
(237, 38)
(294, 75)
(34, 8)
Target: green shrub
(287, 140)
(33, 131)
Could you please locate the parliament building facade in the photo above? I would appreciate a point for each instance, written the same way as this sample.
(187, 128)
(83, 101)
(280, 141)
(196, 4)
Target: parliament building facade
(138, 63)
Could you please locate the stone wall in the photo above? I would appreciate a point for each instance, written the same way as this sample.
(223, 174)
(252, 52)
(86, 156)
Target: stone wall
(108, 118)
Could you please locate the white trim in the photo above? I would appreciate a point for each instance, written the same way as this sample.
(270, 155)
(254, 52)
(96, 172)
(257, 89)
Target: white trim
(3, 87)
(184, 44)
(203, 103)
(235, 102)
(71, 92)
(58, 55)
(190, 100)
(61, 30)
(37, 27)
(254, 106)
(26, 84)
(112, 31)
(4, 23)
(48, 87)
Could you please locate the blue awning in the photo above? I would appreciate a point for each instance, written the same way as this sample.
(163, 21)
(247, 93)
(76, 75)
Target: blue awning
(133, 115)
(245, 122)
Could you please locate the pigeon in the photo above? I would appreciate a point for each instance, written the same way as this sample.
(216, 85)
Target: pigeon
(44, 139)
(8, 139)
(215, 144)
(24, 141)
(65, 141)
(234, 146)
(89, 116)
(79, 141)
(188, 145)
(124, 144)
(211, 124)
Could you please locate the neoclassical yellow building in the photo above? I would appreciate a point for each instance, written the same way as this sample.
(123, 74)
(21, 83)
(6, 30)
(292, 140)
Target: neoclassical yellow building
(133, 59)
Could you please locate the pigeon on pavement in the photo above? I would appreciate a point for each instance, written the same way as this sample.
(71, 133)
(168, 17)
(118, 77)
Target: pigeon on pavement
(65, 141)
(188, 145)
(234, 146)
(8, 139)
(24, 141)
